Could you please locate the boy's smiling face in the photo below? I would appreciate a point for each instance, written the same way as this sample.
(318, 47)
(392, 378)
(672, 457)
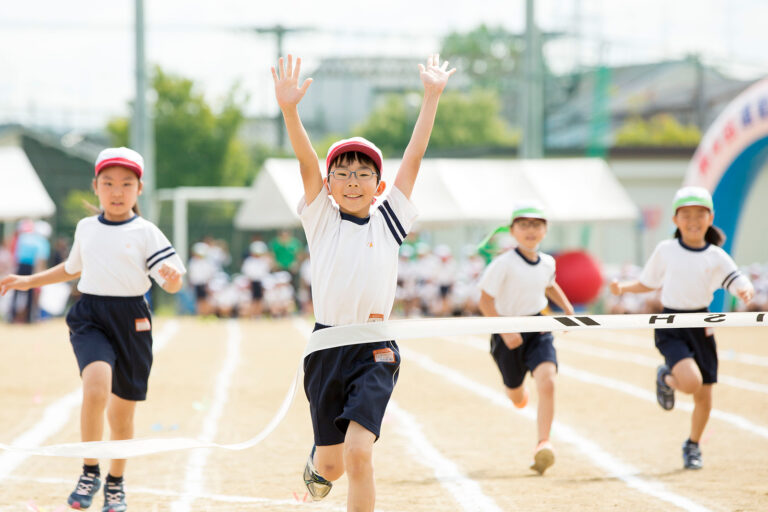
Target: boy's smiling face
(355, 194)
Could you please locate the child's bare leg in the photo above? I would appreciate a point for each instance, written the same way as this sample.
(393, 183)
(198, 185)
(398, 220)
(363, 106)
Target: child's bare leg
(329, 461)
(120, 414)
(544, 374)
(702, 405)
(685, 376)
(97, 385)
(358, 458)
(517, 395)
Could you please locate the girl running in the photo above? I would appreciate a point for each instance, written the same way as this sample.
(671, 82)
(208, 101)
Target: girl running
(689, 269)
(110, 327)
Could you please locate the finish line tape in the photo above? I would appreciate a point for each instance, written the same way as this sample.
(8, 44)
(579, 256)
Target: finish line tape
(392, 330)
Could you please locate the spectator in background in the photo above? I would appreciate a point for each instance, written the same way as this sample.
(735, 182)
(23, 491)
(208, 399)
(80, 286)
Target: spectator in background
(285, 249)
(31, 255)
(256, 268)
(201, 272)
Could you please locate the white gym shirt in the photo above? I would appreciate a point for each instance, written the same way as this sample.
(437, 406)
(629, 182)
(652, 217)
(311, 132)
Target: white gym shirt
(117, 258)
(689, 277)
(354, 261)
(517, 285)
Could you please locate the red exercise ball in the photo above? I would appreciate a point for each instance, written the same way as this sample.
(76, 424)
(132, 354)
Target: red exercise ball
(579, 275)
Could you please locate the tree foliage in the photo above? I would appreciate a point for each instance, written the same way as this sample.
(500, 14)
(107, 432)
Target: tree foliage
(659, 130)
(488, 56)
(194, 145)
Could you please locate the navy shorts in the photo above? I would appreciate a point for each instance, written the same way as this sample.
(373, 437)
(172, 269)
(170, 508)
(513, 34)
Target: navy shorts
(513, 364)
(350, 383)
(201, 292)
(678, 344)
(118, 331)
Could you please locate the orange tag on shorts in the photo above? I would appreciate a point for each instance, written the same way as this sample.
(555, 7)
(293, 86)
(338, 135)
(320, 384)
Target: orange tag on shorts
(384, 355)
(375, 317)
(709, 331)
(142, 324)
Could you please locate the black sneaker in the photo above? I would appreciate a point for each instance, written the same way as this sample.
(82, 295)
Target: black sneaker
(82, 496)
(114, 497)
(665, 395)
(691, 455)
(317, 486)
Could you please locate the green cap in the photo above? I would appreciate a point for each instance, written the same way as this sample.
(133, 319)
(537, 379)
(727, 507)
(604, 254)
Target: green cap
(693, 196)
(528, 210)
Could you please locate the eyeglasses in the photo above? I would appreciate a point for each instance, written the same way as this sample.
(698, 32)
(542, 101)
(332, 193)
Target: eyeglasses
(530, 223)
(361, 174)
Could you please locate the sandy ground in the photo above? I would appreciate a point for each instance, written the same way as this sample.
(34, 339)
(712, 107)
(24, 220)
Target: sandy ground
(451, 442)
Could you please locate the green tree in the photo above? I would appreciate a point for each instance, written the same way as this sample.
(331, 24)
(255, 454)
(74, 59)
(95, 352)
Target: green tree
(488, 56)
(194, 146)
(464, 120)
(659, 130)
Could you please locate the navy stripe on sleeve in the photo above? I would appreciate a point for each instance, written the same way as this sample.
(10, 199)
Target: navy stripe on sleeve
(390, 226)
(732, 279)
(161, 258)
(728, 277)
(394, 217)
(158, 253)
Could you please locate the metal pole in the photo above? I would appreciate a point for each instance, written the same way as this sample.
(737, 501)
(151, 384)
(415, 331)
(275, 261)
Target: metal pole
(180, 224)
(532, 109)
(142, 134)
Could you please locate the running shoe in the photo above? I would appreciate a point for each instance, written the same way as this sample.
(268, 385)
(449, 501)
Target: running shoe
(317, 486)
(691, 455)
(114, 497)
(87, 486)
(543, 457)
(665, 395)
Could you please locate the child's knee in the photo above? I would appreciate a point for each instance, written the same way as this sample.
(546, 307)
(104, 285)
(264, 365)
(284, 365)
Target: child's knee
(96, 394)
(546, 385)
(358, 458)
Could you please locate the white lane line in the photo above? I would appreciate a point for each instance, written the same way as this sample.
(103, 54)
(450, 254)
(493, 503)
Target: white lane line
(194, 479)
(467, 492)
(613, 466)
(56, 416)
(650, 362)
(222, 498)
(632, 339)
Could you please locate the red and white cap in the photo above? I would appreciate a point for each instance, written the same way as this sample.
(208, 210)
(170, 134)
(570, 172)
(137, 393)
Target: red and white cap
(360, 144)
(123, 157)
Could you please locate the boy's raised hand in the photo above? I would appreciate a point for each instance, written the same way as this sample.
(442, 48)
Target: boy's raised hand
(435, 75)
(287, 91)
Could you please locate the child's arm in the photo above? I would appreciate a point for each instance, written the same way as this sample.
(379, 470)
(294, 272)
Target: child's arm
(556, 295)
(288, 95)
(53, 275)
(487, 307)
(618, 288)
(434, 77)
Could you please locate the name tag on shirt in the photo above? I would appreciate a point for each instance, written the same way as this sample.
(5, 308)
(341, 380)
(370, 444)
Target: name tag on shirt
(142, 324)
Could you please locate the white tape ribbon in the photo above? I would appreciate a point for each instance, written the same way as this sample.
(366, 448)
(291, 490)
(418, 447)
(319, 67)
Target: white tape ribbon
(392, 330)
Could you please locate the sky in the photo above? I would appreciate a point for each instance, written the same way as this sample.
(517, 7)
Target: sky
(72, 63)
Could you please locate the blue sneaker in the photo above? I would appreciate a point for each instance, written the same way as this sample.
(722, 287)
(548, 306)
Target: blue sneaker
(665, 395)
(82, 496)
(691, 455)
(114, 497)
(317, 486)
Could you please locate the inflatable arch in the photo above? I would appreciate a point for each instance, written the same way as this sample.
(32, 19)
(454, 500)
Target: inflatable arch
(731, 154)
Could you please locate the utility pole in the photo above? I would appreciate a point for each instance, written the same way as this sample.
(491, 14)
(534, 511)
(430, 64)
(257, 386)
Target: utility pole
(142, 126)
(532, 104)
(279, 31)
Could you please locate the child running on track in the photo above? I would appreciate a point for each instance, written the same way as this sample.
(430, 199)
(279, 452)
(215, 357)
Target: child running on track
(110, 327)
(689, 269)
(354, 256)
(518, 283)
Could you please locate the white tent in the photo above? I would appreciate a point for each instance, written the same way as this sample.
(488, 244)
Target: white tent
(21, 192)
(452, 192)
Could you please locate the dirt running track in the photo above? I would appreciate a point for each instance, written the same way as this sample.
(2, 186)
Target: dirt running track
(450, 440)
